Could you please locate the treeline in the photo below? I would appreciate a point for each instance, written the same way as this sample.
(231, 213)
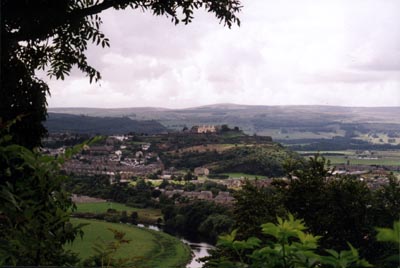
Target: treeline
(199, 219)
(141, 195)
(341, 210)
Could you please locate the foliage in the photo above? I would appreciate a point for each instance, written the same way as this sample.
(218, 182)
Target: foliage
(288, 246)
(338, 208)
(387, 202)
(214, 225)
(195, 218)
(344, 258)
(105, 252)
(34, 208)
(110, 216)
(139, 195)
(391, 235)
(255, 205)
(335, 207)
(261, 159)
(22, 95)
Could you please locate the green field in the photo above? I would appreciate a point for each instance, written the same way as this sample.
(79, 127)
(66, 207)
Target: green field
(244, 175)
(354, 161)
(150, 248)
(146, 215)
(387, 158)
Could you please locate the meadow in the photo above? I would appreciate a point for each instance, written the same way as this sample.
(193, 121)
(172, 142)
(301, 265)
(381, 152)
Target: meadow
(147, 248)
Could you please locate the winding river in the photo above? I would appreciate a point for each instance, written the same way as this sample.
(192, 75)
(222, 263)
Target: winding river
(199, 249)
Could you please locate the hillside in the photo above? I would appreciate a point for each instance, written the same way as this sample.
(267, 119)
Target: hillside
(230, 151)
(61, 123)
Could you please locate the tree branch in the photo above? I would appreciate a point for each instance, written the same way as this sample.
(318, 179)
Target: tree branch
(106, 4)
(47, 28)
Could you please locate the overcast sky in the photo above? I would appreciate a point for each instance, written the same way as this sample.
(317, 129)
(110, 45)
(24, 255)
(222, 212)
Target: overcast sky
(325, 52)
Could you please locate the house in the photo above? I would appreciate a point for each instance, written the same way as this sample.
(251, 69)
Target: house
(224, 198)
(201, 171)
(100, 150)
(139, 154)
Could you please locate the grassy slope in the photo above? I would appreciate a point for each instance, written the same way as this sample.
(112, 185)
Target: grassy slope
(156, 248)
(148, 215)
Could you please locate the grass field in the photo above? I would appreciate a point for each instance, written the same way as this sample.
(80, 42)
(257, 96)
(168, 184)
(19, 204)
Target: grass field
(354, 161)
(146, 215)
(387, 158)
(244, 175)
(312, 153)
(154, 249)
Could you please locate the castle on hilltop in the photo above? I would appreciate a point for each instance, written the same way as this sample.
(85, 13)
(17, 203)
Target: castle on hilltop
(205, 129)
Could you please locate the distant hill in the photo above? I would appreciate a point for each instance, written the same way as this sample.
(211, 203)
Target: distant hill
(373, 124)
(223, 113)
(60, 122)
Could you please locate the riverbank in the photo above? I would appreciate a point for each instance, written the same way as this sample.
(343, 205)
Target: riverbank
(147, 248)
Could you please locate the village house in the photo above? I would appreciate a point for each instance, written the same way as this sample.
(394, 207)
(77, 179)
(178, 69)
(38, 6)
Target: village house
(201, 171)
(98, 150)
(224, 198)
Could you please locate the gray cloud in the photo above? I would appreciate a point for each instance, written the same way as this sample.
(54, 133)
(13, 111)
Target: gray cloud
(332, 52)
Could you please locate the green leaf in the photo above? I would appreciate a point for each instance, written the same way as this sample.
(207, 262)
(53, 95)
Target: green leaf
(388, 234)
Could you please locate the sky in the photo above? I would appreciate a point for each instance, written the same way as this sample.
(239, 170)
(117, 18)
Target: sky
(302, 52)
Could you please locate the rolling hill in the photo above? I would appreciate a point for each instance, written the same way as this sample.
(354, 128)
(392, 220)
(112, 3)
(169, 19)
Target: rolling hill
(373, 124)
(59, 123)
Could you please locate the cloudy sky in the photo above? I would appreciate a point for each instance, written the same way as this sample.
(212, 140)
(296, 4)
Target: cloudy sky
(325, 52)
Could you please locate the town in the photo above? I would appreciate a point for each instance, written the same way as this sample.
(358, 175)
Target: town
(125, 158)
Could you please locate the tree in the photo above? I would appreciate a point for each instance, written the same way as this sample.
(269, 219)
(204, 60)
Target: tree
(54, 35)
(255, 205)
(305, 195)
(340, 208)
(386, 204)
(288, 246)
(34, 209)
(189, 176)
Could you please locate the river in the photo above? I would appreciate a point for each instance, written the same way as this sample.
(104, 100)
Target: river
(199, 249)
